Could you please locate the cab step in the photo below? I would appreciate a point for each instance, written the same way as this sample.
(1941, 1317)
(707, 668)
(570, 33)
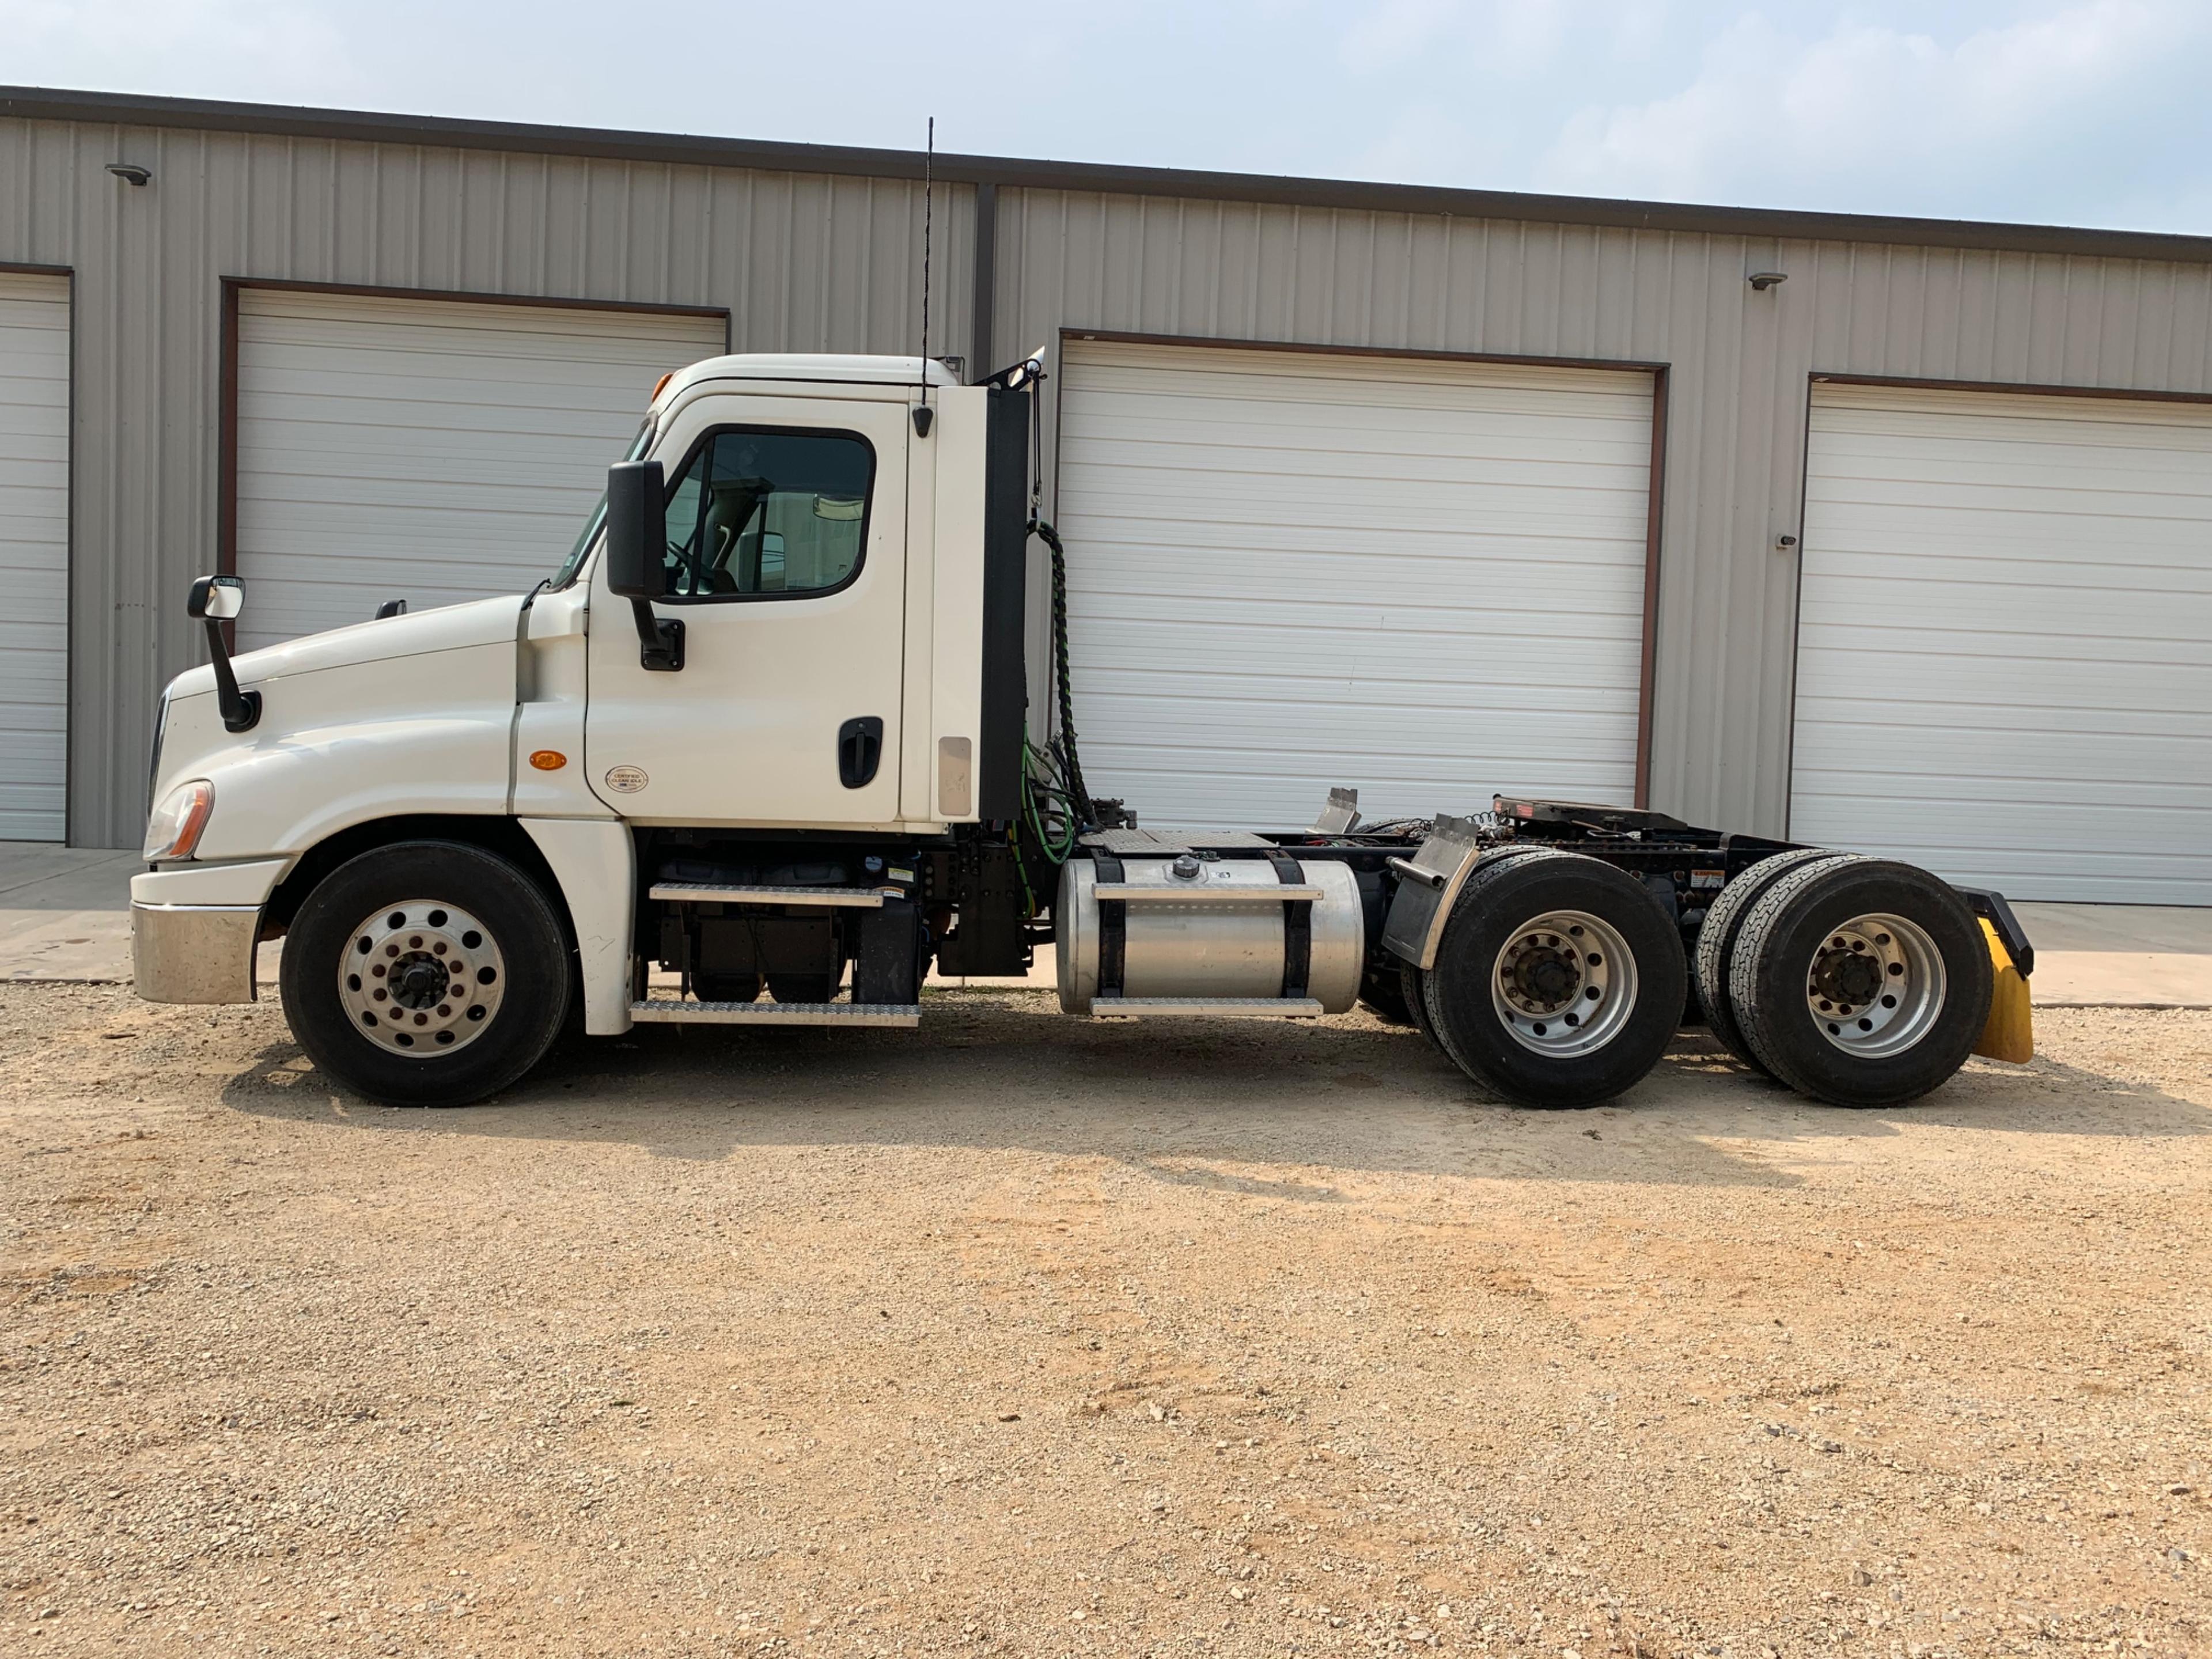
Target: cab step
(709, 892)
(1206, 1007)
(899, 1016)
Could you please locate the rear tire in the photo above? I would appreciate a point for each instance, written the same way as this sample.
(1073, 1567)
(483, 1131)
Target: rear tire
(475, 980)
(1560, 980)
(1862, 981)
(1716, 939)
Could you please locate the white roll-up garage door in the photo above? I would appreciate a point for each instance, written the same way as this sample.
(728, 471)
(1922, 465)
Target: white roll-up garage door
(2004, 660)
(34, 415)
(1289, 570)
(428, 450)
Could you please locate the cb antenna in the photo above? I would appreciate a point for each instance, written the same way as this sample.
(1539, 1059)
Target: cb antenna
(923, 416)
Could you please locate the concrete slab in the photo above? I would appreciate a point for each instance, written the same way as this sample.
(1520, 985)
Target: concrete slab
(65, 915)
(2151, 955)
(64, 912)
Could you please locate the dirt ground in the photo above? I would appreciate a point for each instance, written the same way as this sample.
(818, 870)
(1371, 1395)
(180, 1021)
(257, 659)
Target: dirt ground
(1024, 1336)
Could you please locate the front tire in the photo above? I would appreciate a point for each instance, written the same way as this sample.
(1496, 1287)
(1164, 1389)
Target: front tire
(1862, 981)
(426, 972)
(1558, 983)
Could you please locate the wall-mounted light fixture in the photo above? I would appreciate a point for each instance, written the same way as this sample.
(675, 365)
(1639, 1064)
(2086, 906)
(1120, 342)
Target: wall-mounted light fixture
(130, 173)
(1763, 280)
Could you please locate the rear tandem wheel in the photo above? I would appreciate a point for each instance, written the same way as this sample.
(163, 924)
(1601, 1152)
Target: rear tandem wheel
(1558, 983)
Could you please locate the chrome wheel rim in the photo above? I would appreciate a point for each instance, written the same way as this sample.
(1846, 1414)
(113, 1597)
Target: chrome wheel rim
(422, 977)
(1564, 984)
(1875, 986)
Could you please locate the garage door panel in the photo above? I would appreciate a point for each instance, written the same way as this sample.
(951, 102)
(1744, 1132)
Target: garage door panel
(35, 394)
(429, 450)
(2147, 773)
(1294, 662)
(1287, 572)
(2005, 644)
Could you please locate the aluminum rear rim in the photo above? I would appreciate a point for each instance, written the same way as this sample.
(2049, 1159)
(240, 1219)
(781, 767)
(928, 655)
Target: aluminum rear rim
(1875, 986)
(422, 977)
(1564, 984)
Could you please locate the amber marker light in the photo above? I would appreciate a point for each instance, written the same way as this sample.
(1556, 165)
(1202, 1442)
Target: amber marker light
(548, 760)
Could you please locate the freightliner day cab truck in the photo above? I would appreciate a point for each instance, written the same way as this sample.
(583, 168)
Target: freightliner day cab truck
(766, 726)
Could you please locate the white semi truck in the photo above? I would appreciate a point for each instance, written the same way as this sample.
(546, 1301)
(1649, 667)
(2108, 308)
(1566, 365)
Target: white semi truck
(766, 726)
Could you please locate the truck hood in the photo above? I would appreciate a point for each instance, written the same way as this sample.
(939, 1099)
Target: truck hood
(449, 628)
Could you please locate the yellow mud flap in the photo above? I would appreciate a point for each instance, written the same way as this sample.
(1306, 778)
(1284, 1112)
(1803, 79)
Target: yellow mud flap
(2010, 1034)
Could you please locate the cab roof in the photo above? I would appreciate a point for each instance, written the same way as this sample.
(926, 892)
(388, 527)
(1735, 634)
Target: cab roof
(849, 368)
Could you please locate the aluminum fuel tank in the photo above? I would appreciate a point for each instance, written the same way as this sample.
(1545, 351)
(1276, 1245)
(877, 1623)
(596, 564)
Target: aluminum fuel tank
(1209, 946)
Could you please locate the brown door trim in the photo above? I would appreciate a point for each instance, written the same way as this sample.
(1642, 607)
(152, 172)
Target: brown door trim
(1654, 507)
(2035, 389)
(1415, 354)
(477, 296)
(1655, 489)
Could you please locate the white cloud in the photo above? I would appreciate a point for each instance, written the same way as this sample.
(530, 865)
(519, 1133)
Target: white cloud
(1386, 36)
(1874, 111)
(140, 45)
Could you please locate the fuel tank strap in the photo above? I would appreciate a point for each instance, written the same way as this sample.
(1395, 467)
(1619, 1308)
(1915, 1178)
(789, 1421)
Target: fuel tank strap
(1113, 924)
(1297, 926)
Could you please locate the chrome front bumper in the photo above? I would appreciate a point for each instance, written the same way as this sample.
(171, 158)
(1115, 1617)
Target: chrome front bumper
(193, 928)
(194, 952)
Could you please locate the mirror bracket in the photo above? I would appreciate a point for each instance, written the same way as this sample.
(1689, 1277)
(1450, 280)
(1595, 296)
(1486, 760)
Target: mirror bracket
(242, 710)
(659, 640)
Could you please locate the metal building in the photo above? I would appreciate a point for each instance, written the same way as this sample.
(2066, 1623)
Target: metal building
(1886, 532)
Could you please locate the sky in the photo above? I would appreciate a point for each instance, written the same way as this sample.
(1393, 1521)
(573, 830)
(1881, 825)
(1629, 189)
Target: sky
(2065, 112)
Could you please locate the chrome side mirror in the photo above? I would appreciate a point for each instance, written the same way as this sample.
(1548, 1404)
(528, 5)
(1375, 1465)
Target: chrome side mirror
(213, 601)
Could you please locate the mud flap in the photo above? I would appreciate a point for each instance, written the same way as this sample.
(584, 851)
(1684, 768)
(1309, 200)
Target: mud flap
(2010, 1033)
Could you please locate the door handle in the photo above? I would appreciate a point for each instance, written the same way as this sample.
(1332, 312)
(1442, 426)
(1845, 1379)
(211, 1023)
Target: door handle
(859, 751)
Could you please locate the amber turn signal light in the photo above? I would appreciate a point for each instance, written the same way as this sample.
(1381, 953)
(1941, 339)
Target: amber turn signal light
(548, 760)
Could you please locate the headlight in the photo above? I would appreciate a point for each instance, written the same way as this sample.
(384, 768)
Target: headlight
(174, 829)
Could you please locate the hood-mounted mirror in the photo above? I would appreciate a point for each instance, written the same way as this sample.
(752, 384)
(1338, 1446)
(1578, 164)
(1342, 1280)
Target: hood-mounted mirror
(213, 601)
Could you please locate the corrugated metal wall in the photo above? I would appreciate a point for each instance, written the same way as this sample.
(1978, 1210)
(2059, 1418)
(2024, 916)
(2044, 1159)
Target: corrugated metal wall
(802, 263)
(808, 262)
(1739, 364)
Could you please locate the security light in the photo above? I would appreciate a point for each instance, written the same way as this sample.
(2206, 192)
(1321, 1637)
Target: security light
(129, 173)
(1763, 280)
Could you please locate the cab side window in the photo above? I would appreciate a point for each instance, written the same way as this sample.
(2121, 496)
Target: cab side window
(761, 513)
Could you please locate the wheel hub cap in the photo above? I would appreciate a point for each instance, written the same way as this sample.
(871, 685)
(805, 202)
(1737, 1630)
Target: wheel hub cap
(1875, 986)
(422, 977)
(1564, 984)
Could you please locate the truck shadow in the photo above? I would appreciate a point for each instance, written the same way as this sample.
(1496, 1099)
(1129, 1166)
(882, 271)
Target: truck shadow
(1178, 1098)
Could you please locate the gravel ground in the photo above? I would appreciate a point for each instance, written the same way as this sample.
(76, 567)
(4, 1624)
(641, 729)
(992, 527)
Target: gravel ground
(1024, 1336)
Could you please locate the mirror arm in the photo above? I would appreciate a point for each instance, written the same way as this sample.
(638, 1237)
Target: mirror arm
(242, 710)
(660, 642)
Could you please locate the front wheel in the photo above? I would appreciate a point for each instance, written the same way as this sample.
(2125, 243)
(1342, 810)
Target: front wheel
(1558, 982)
(426, 974)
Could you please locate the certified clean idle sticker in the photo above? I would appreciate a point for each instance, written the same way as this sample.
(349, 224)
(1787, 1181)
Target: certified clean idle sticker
(627, 779)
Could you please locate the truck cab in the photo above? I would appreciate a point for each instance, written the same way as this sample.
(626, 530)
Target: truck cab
(759, 751)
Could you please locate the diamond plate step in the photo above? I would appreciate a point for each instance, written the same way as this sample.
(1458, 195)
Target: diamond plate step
(900, 1016)
(709, 892)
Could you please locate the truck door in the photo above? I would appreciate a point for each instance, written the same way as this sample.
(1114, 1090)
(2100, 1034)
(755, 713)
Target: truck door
(786, 565)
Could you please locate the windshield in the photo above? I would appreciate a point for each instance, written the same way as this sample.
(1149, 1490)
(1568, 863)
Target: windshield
(596, 519)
